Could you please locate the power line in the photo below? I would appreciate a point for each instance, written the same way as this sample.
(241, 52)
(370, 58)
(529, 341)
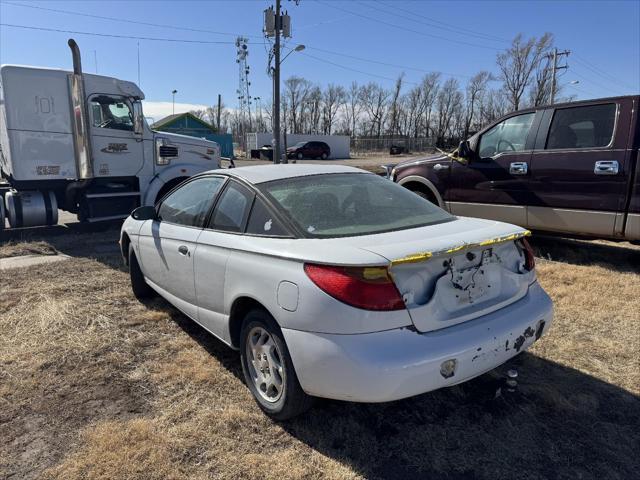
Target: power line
(457, 30)
(110, 35)
(124, 20)
(400, 27)
(353, 69)
(601, 73)
(406, 67)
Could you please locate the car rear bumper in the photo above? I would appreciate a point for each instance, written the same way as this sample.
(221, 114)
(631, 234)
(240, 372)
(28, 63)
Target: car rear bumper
(400, 363)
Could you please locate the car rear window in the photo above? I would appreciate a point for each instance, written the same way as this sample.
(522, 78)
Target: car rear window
(335, 205)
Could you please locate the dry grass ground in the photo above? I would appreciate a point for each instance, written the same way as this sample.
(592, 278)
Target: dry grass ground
(94, 385)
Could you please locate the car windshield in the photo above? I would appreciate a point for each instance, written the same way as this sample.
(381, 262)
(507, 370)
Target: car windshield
(300, 144)
(335, 205)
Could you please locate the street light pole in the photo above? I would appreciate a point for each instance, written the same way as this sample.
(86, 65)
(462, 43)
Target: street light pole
(276, 90)
(173, 101)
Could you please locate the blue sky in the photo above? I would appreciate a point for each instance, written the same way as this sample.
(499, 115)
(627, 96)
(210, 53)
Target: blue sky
(454, 37)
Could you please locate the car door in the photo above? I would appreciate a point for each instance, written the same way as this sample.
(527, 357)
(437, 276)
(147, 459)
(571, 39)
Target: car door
(494, 183)
(222, 234)
(168, 243)
(579, 169)
(116, 149)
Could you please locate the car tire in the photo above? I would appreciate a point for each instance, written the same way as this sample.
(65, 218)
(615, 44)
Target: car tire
(300, 156)
(324, 156)
(139, 286)
(261, 332)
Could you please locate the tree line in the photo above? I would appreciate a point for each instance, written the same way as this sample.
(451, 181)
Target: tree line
(436, 107)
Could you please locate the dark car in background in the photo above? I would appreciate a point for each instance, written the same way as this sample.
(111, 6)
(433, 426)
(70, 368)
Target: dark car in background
(309, 150)
(571, 168)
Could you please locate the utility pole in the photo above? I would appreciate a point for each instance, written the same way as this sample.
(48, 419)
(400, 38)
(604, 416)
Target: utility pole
(173, 101)
(218, 115)
(274, 24)
(276, 89)
(554, 70)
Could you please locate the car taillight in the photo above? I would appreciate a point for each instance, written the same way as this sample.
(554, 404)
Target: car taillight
(529, 259)
(369, 288)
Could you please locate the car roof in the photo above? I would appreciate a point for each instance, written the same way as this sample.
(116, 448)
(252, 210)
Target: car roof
(266, 173)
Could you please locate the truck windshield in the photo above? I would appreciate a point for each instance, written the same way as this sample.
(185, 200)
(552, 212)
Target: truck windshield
(340, 205)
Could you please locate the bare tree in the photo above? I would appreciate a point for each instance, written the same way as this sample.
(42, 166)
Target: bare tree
(476, 86)
(449, 103)
(518, 62)
(430, 86)
(353, 107)
(333, 98)
(201, 114)
(374, 103)
(540, 92)
(296, 91)
(395, 113)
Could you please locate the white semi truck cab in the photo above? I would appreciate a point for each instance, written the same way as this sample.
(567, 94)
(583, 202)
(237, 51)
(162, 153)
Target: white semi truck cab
(79, 142)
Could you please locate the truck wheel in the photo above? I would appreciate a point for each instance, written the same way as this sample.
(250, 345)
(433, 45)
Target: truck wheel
(300, 156)
(139, 286)
(268, 369)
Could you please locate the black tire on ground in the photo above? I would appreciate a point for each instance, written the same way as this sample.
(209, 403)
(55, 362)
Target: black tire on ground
(424, 195)
(300, 156)
(324, 156)
(293, 400)
(139, 286)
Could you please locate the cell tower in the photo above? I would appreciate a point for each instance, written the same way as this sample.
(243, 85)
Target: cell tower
(244, 99)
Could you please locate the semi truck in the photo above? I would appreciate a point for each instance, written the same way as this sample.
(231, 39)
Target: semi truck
(80, 143)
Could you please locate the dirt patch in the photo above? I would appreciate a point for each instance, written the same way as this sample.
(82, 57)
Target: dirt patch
(18, 249)
(95, 385)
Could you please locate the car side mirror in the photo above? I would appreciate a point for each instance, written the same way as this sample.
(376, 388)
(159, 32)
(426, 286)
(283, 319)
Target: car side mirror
(145, 212)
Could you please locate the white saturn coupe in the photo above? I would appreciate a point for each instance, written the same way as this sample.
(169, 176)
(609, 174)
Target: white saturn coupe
(334, 282)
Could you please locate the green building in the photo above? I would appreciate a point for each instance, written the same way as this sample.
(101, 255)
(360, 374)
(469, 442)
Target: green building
(189, 124)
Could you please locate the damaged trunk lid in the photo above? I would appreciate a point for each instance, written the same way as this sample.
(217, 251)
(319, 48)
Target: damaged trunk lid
(454, 272)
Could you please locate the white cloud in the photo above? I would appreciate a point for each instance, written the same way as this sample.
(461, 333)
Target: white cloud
(159, 110)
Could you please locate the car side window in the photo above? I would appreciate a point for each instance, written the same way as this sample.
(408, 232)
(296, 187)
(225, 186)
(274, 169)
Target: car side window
(590, 126)
(509, 135)
(111, 112)
(262, 222)
(190, 203)
(232, 209)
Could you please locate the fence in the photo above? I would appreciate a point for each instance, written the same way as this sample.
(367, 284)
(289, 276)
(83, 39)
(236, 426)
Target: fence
(382, 145)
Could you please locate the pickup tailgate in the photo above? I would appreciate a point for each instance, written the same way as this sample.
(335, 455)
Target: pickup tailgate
(451, 273)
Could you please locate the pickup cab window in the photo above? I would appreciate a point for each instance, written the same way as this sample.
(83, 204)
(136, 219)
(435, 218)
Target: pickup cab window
(589, 126)
(509, 135)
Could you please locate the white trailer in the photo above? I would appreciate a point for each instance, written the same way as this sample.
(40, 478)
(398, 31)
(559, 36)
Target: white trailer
(80, 142)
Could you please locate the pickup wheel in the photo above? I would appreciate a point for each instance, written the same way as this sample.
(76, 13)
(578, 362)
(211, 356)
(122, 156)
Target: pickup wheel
(268, 369)
(139, 286)
(426, 195)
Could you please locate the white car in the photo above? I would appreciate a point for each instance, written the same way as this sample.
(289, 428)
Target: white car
(334, 282)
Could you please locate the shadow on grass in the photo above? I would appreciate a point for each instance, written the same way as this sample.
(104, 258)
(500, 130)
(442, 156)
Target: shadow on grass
(561, 423)
(621, 257)
(78, 240)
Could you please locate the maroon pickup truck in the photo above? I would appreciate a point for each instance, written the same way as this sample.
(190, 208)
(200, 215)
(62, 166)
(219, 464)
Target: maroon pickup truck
(571, 168)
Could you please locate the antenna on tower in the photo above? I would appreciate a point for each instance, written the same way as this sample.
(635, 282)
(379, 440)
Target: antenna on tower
(244, 98)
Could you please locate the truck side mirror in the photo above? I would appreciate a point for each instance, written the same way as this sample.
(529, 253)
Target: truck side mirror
(464, 150)
(138, 118)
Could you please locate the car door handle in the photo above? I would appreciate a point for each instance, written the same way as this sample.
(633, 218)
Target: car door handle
(606, 167)
(438, 166)
(518, 168)
(184, 250)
